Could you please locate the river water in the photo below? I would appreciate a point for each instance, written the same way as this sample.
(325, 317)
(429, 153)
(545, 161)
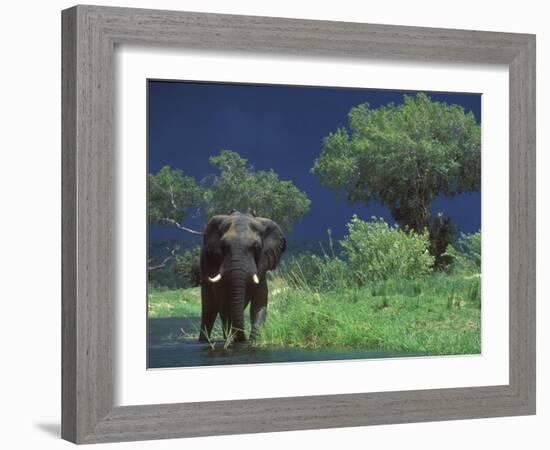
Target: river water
(167, 349)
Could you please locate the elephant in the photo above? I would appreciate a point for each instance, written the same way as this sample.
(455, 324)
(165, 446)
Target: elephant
(238, 250)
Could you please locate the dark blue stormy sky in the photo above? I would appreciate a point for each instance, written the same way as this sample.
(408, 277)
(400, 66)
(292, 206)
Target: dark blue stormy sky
(279, 128)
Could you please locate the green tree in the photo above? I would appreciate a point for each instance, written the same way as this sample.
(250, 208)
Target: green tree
(238, 186)
(403, 156)
(171, 196)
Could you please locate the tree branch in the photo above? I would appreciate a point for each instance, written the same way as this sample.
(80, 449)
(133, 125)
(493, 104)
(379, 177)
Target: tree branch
(181, 227)
(165, 260)
(175, 208)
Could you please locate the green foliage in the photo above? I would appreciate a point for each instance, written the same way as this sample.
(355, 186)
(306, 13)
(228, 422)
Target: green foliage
(173, 264)
(171, 195)
(241, 188)
(187, 266)
(166, 278)
(315, 271)
(372, 251)
(403, 156)
(465, 254)
(376, 251)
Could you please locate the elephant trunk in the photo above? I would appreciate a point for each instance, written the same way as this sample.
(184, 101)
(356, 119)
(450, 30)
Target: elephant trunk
(238, 291)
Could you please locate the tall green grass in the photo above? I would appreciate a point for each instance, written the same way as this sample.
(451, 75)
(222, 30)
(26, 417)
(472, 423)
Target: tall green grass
(439, 314)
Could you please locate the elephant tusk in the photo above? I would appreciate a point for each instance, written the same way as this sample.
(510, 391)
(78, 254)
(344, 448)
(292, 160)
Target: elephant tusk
(217, 278)
(255, 279)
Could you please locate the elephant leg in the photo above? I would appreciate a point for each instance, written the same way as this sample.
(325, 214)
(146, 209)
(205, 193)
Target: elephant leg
(209, 311)
(226, 323)
(258, 317)
(207, 323)
(258, 308)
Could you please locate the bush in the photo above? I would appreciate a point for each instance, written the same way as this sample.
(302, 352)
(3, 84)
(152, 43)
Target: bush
(171, 264)
(376, 251)
(466, 253)
(188, 266)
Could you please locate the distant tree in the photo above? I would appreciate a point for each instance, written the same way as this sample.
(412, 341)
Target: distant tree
(238, 186)
(403, 156)
(171, 197)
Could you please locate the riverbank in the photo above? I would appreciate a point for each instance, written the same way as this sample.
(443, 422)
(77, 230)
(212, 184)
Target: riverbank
(439, 314)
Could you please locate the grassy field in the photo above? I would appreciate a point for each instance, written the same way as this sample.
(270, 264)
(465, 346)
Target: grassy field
(437, 314)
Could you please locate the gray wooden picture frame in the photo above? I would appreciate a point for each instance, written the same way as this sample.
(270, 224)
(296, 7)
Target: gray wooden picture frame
(89, 37)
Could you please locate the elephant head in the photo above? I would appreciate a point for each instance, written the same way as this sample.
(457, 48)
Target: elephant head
(237, 252)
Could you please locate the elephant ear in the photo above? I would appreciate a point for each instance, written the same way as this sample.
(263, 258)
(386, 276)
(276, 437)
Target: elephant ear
(273, 246)
(211, 246)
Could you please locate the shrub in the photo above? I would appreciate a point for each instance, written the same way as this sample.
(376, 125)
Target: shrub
(466, 253)
(188, 267)
(376, 251)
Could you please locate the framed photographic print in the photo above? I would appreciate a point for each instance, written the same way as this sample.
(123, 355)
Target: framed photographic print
(333, 296)
(268, 222)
